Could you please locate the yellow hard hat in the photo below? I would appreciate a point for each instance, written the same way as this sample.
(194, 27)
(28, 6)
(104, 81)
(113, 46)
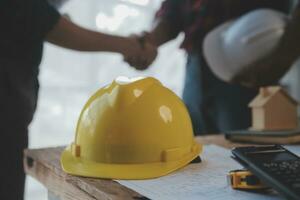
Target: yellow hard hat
(131, 129)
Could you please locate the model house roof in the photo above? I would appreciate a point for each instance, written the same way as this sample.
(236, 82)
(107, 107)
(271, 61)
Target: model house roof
(267, 93)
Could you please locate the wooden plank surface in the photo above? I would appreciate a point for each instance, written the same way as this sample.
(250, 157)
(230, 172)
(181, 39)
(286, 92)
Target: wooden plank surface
(44, 165)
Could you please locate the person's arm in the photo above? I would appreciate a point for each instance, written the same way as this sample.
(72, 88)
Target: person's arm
(161, 33)
(69, 35)
(168, 24)
(150, 41)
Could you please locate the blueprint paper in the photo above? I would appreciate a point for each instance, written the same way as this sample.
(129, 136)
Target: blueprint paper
(200, 181)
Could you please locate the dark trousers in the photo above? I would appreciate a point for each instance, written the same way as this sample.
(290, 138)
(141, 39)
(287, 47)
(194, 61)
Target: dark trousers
(214, 106)
(13, 141)
(18, 95)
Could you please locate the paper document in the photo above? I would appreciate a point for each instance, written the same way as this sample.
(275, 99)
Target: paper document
(200, 181)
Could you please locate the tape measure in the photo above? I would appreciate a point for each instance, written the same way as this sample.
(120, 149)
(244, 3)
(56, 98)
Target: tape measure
(244, 180)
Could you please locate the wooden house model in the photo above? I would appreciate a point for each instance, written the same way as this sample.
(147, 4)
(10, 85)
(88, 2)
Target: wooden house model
(273, 109)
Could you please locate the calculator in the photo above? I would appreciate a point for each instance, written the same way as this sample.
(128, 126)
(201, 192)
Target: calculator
(273, 165)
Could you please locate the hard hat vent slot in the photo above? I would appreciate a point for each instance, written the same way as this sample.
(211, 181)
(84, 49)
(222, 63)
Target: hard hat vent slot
(75, 150)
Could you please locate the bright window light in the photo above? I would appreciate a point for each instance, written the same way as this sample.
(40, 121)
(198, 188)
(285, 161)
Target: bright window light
(138, 2)
(120, 13)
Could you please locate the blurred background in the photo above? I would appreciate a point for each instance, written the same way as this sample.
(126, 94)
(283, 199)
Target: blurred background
(68, 78)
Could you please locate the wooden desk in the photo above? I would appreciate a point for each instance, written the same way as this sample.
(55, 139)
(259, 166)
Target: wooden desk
(44, 165)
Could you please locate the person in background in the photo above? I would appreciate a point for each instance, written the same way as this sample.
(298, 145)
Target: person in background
(25, 25)
(214, 106)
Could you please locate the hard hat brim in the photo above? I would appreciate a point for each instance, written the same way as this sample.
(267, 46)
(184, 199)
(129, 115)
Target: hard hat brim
(214, 53)
(80, 167)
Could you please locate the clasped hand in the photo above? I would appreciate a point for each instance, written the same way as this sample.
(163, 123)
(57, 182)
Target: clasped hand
(141, 53)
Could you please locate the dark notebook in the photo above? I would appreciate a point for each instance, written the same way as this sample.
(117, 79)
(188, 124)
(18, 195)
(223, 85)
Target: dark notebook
(264, 137)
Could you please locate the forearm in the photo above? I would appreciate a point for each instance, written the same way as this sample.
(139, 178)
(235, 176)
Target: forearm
(160, 34)
(69, 35)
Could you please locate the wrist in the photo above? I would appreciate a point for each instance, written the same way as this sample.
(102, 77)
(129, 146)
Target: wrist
(121, 45)
(149, 38)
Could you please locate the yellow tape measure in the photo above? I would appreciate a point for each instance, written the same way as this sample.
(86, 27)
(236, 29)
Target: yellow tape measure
(245, 180)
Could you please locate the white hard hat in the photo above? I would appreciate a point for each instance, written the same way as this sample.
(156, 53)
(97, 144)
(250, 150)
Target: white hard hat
(235, 45)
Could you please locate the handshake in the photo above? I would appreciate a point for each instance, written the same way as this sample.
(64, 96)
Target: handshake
(138, 51)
